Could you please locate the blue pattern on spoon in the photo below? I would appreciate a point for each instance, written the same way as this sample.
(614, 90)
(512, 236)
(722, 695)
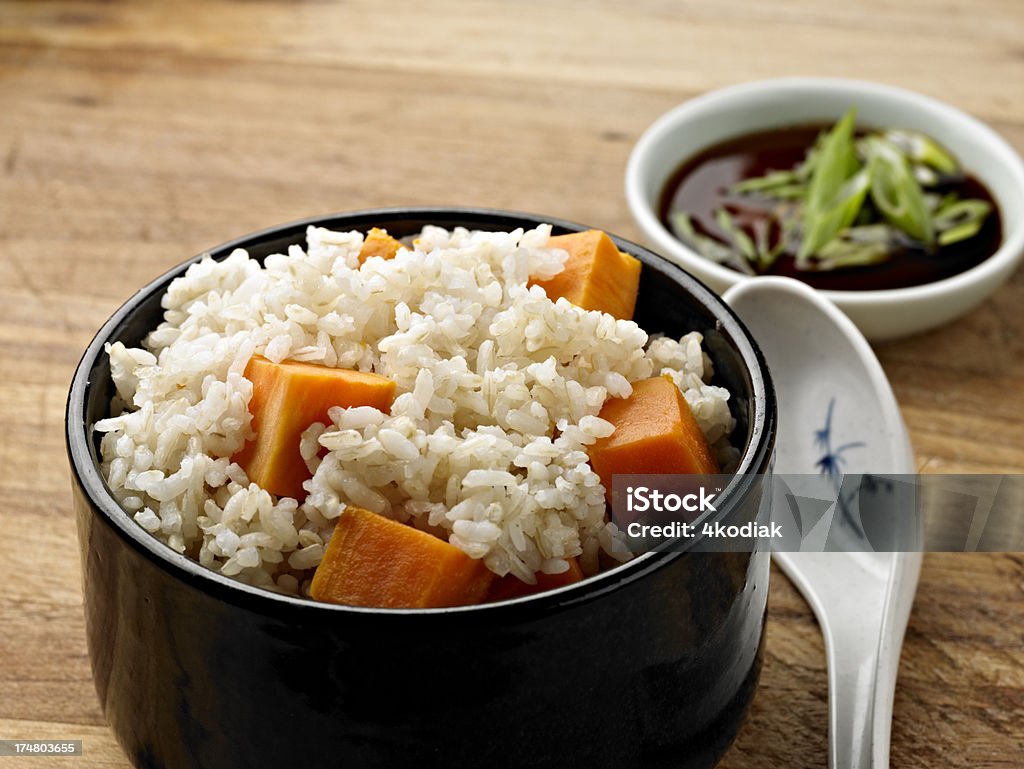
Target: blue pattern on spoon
(830, 465)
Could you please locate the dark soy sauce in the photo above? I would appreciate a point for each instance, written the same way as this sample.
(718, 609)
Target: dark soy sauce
(700, 186)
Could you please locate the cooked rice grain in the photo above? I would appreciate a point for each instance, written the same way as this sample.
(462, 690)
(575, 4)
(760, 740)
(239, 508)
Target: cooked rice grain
(487, 371)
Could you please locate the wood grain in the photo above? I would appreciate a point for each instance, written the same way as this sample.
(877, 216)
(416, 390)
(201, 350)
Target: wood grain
(135, 134)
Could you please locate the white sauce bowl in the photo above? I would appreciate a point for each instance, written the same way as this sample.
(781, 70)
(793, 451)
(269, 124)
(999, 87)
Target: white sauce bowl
(731, 112)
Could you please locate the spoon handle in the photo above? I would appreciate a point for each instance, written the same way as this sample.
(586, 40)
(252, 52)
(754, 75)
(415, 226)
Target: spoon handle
(854, 683)
(863, 637)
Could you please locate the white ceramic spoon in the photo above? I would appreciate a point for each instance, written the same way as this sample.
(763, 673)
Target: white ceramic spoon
(835, 402)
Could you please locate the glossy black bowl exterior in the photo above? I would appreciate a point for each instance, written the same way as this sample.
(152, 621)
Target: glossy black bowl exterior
(649, 665)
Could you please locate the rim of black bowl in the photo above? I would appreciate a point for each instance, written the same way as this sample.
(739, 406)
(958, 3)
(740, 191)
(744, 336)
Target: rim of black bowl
(81, 446)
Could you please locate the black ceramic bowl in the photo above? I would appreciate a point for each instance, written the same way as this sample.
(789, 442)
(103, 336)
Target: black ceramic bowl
(652, 664)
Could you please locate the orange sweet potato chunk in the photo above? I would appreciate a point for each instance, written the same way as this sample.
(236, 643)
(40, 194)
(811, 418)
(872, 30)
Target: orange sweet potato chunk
(510, 586)
(655, 432)
(378, 243)
(287, 398)
(374, 561)
(597, 276)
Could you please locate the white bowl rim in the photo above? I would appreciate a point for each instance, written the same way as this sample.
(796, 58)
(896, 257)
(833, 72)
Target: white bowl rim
(1009, 251)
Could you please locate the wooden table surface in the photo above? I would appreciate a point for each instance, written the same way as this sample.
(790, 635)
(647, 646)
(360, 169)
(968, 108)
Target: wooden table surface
(133, 135)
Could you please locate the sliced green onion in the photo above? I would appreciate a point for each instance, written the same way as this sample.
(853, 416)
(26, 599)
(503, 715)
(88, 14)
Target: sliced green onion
(935, 202)
(858, 247)
(958, 233)
(842, 253)
(707, 247)
(836, 162)
(920, 148)
(822, 224)
(895, 191)
(959, 211)
(766, 184)
(742, 242)
(961, 220)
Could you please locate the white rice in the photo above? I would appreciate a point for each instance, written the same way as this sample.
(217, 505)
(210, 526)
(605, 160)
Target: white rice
(498, 387)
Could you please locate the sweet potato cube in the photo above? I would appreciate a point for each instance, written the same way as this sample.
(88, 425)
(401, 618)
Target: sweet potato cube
(510, 586)
(378, 243)
(597, 276)
(374, 561)
(287, 398)
(655, 433)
